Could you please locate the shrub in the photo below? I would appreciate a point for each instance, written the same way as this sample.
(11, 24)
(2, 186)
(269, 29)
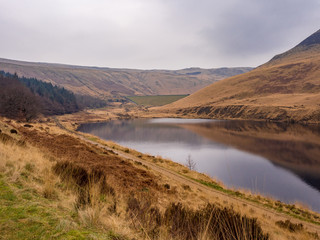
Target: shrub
(292, 227)
(179, 222)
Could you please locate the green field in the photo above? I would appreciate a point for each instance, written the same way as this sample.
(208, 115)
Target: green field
(152, 101)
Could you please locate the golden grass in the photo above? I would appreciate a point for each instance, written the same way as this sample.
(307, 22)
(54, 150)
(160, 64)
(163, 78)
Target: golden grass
(99, 213)
(200, 177)
(32, 170)
(190, 195)
(283, 90)
(92, 81)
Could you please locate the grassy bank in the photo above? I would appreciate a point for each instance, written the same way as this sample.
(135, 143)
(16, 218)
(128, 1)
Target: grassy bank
(292, 210)
(34, 202)
(50, 189)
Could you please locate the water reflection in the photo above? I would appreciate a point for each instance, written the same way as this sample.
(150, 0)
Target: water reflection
(294, 147)
(275, 159)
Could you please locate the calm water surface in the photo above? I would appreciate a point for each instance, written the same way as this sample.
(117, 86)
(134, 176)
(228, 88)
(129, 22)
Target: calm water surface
(278, 160)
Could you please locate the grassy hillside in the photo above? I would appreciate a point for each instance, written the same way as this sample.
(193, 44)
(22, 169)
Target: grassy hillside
(286, 88)
(106, 82)
(56, 186)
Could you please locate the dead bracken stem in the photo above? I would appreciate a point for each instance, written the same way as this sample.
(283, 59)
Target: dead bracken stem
(134, 217)
(207, 226)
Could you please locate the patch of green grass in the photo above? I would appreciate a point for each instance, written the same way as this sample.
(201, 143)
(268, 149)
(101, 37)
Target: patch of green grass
(5, 192)
(27, 215)
(243, 196)
(219, 188)
(152, 101)
(93, 139)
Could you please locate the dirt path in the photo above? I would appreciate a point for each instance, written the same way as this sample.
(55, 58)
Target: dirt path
(210, 192)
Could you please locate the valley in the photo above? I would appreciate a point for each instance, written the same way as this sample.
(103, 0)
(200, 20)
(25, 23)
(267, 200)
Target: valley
(109, 83)
(69, 184)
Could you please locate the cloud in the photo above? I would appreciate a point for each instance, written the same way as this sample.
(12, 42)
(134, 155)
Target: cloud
(258, 28)
(154, 33)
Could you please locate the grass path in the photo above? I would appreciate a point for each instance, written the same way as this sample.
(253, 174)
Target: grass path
(152, 101)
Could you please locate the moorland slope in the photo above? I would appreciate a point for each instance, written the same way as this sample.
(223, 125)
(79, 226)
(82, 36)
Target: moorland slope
(287, 88)
(111, 82)
(58, 183)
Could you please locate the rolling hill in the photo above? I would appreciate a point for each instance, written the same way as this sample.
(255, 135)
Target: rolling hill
(285, 88)
(108, 82)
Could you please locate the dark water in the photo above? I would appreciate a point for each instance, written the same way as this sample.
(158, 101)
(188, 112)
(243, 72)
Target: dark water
(278, 160)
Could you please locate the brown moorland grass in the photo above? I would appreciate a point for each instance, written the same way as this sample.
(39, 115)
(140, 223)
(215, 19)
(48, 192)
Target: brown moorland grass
(73, 155)
(34, 202)
(100, 203)
(205, 180)
(297, 210)
(110, 82)
(284, 89)
(95, 200)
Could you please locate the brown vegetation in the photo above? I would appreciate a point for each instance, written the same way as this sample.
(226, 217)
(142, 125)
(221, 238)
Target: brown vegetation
(82, 162)
(111, 192)
(96, 201)
(108, 82)
(284, 89)
(16, 101)
(179, 222)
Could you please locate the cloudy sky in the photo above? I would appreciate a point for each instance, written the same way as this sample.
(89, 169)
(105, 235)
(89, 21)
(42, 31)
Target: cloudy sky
(154, 34)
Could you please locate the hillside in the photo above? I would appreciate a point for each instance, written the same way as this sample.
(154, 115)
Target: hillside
(106, 82)
(110, 192)
(285, 88)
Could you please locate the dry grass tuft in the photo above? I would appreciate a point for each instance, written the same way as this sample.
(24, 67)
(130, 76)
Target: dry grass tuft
(180, 222)
(97, 199)
(292, 227)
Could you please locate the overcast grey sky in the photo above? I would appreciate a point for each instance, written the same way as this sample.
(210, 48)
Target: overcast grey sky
(154, 34)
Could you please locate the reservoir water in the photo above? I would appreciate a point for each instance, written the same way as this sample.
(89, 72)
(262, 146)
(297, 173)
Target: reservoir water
(275, 159)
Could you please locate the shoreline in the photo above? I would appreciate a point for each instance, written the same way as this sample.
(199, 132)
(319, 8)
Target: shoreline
(191, 185)
(230, 190)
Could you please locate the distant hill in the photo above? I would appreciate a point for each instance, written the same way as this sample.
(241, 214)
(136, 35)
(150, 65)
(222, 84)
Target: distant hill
(109, 82)
(285, 88)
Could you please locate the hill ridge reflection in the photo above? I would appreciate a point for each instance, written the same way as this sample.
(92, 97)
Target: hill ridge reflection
(291, 146)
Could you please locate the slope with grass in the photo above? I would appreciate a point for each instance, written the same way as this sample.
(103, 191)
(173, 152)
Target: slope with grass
(287, 88)
(56, 185)
(110, 82)
(34, 202)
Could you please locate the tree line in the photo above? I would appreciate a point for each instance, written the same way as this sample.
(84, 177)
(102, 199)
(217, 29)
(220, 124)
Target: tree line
(25, 98)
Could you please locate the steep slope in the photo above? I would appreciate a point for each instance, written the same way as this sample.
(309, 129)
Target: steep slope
(106, 82)
(285, 88)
